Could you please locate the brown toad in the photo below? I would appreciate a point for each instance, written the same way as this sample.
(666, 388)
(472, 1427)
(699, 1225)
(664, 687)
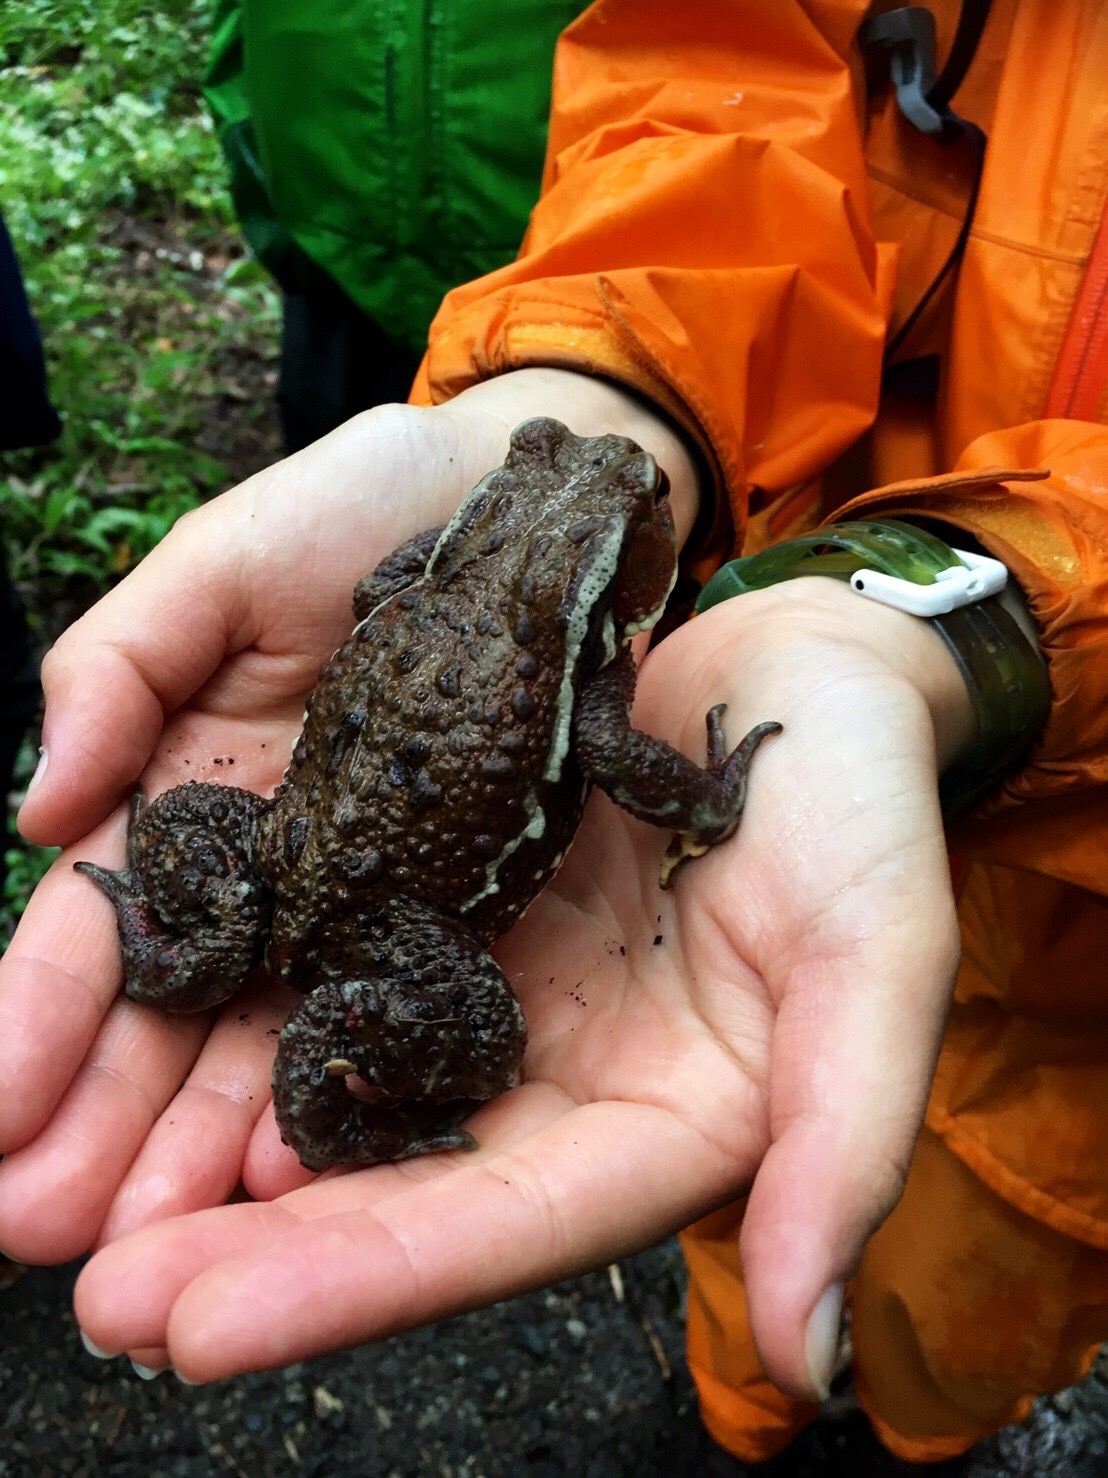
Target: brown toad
(439, 778)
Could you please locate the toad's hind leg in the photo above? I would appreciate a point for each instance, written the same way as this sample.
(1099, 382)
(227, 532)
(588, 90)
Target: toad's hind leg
(191, 907)
(384, 1062)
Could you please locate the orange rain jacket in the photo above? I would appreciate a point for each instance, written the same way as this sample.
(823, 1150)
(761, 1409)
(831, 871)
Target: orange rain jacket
(731, 220)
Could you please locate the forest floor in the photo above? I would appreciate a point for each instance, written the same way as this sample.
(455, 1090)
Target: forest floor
(585, 1380)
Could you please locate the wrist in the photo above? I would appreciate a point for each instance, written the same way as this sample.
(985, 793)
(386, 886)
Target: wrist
(910, 650)
(900, 565)
(914, 650)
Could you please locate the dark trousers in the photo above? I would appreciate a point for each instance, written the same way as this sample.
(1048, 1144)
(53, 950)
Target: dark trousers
(19, 695)
(335, 362)
(26, 419)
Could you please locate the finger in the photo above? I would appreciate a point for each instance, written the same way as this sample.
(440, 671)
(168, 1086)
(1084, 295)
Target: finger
(192, 1157)
(83, 1072)
(55, 1191)
(148, 1363)
(854, 1050)
(128, 656)
(459, 1242)
(133, 1285)
(270, 1168)
(593, 1185)
(57, 980)
(118, 1311)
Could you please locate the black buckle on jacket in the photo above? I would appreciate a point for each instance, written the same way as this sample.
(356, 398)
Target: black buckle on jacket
(908, 34)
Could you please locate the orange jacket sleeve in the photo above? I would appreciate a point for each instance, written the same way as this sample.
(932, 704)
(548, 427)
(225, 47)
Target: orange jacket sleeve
(702, 235)
(1051, 814)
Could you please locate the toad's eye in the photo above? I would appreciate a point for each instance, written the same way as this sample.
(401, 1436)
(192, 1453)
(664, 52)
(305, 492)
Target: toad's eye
(661, 492)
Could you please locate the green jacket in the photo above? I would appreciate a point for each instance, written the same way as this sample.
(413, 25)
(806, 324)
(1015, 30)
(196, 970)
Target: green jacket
(395, 145)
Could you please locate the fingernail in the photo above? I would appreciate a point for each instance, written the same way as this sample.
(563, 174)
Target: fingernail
(95, 1350)
(148, 1372)
(40, 769)
(821, 1339)
(185, 1380)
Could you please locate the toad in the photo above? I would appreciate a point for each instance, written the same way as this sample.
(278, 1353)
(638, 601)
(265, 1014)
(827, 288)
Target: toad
(439, 778)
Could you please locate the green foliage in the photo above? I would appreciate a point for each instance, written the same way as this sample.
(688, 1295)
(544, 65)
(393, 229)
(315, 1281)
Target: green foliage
(156, 325)
(112, 184)
(24, 865)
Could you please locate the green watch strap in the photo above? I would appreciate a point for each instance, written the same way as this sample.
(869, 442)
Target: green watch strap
(1004, 672)
(839, 550)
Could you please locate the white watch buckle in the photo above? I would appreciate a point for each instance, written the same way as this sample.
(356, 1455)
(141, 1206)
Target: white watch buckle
(960, 585)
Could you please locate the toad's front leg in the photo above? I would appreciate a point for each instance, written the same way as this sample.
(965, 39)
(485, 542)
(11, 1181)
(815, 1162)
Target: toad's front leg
(408, 1033)
(651, 779)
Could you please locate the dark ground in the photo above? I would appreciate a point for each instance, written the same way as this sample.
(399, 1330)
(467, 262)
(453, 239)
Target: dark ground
(586, 1380)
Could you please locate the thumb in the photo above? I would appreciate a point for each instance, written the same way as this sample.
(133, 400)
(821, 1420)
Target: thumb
(112, 677)
(854, 1056)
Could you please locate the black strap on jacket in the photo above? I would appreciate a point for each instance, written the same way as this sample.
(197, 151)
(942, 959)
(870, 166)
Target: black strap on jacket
(967, 36)
(908, 34)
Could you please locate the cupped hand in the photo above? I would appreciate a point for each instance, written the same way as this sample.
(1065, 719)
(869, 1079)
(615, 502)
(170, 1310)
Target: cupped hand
(196, 667)
(772, 1022)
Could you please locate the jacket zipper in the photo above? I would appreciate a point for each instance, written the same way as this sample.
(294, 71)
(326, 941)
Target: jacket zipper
(1081, 373)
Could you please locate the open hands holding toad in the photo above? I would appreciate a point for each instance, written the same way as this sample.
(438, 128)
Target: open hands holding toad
(768, 1026)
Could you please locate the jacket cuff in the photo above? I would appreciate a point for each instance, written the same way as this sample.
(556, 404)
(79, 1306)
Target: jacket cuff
(557, 327)
(1050, 529)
